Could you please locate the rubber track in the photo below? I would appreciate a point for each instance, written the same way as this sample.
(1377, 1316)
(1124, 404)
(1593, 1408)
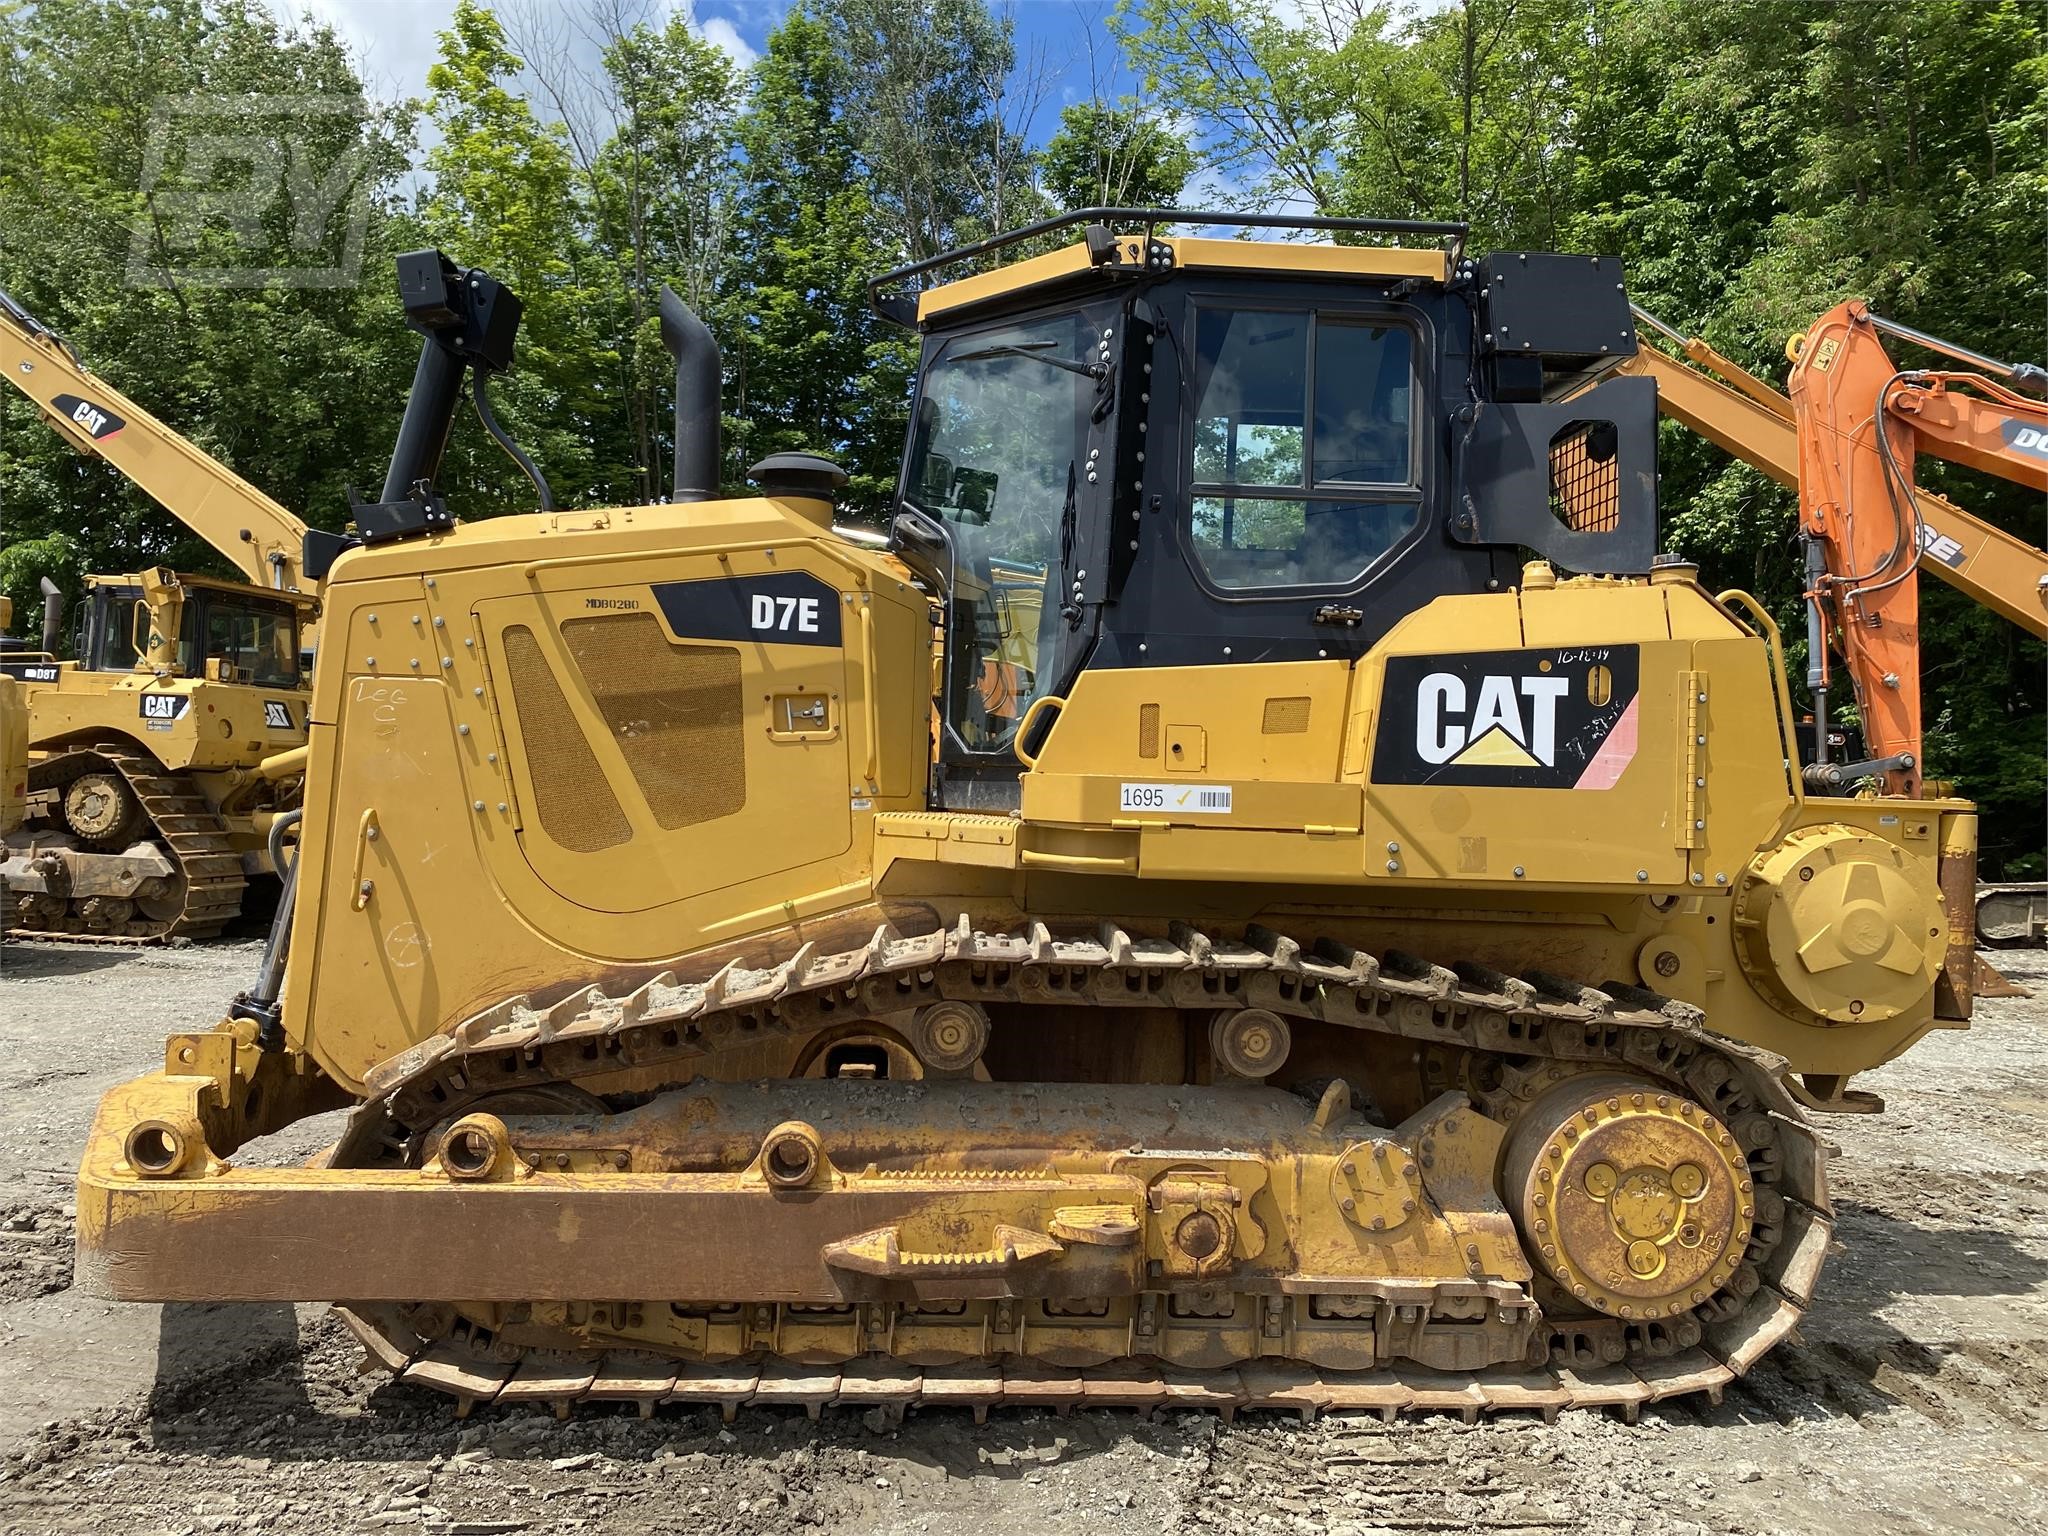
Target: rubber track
(191, 832)
(515, 1044)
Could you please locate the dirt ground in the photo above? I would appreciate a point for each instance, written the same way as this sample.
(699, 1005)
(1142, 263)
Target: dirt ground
(1916, 1398)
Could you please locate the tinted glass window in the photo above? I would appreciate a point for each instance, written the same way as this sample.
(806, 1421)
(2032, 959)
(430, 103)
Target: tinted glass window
(117, 647)
(1256, 541)
(998, 452)
(1276, 463)
(1364, 431)
(258, 645)
(1251, 372)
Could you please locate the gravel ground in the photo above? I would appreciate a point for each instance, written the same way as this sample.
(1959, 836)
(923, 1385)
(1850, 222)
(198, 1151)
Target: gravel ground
(1916, 1398)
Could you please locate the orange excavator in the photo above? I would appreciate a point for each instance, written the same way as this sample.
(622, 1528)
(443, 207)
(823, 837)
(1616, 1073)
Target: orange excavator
(1861, 420)
(1847, 438)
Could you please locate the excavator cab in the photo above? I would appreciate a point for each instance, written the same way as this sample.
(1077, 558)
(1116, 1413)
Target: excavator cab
(1165, 454)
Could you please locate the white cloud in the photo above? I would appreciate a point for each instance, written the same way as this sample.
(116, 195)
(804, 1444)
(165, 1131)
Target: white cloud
(395, 40)
(725, 37)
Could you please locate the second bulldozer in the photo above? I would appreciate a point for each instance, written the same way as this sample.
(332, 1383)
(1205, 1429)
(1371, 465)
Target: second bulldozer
(162, 757)
(163, 752)
(1213, 915)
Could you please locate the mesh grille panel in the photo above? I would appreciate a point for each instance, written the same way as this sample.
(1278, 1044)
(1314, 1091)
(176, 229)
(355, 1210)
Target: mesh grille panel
(577, 807)
(675, 712)
(1585, 477)
(1285, 717)
(1148, 730)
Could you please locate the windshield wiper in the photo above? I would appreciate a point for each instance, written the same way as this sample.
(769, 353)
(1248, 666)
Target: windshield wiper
(1031, 350)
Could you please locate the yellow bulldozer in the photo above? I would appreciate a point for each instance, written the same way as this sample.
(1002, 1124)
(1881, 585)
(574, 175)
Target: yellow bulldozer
(1271, 891)
(165, 750)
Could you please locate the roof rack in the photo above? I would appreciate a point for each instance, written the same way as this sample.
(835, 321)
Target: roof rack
(1152, 218)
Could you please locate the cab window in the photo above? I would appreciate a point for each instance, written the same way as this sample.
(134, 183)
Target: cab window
(256, 643)
(1003, 426)
(111, 627)
(1304, 454)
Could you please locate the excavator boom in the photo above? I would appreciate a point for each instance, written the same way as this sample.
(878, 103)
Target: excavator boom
(1746, 417)
(263, 540)
(1846, 438)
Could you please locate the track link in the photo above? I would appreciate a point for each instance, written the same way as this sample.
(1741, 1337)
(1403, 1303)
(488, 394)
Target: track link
(191, 832)
(1538, 1023)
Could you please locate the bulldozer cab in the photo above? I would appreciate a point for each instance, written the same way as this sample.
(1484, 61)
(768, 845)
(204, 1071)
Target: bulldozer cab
(1152, 452)
(216, 630)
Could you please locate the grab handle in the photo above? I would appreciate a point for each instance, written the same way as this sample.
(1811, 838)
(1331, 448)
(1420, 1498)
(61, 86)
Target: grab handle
(1030, 759)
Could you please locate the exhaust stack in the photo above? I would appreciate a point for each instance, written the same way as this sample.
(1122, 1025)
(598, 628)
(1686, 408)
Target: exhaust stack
(53, 614)
(699, 384)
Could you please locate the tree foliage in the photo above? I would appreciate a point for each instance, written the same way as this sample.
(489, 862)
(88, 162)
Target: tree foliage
(813, 366)
(1114, 156)
(295, 387)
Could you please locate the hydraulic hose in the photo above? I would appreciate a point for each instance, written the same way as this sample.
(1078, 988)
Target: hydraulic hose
(481, 395)
(259, 1003)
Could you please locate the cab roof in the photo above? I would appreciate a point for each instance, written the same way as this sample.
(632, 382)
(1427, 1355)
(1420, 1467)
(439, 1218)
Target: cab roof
(238, 589)
(1102, 249)
(1190, 253)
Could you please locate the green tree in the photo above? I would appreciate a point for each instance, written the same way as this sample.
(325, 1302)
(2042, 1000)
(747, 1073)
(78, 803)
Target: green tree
(811, 365)
(1114, 156)
(1472, 111)
(503, 197)
(295, 387)
(939, 106)
(660, 194)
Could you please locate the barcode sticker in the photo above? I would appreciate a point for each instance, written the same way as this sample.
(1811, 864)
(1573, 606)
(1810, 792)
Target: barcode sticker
(1178, 799)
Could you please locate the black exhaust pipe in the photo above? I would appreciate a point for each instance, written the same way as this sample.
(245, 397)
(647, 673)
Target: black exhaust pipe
(53, 614)
(467, 319)
(429, 419)
(699, 386)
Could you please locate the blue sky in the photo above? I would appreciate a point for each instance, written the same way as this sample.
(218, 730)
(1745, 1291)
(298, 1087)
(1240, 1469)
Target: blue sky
(395, 40)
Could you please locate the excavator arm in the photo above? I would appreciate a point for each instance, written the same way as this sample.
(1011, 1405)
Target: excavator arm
(1861, 420)
(1871, 530)
(1747, 418)
(263, 539)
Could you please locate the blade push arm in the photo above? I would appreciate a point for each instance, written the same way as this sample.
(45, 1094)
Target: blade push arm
(262, 539)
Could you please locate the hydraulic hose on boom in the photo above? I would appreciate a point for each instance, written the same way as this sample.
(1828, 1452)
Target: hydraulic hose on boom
(1748, 418)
